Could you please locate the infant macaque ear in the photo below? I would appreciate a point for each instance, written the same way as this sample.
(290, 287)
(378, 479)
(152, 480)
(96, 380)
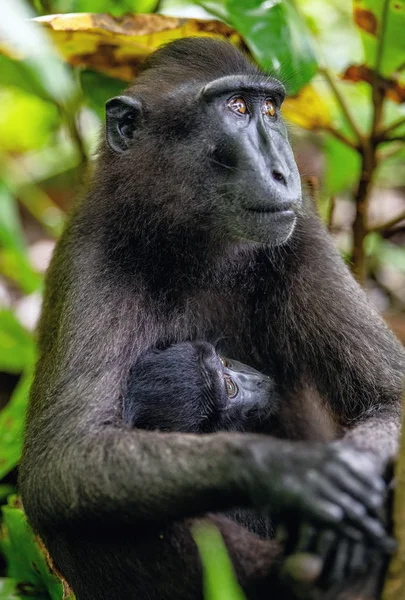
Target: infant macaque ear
(123, 115)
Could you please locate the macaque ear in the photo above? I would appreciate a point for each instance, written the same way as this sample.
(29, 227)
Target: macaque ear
(123, 116)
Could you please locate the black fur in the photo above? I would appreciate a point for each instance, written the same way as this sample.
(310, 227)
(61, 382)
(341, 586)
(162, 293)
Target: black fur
(183, 388)
(165, 249)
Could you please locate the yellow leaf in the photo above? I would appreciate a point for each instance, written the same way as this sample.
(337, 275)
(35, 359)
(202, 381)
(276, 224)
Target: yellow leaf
(117, 46)
(307, 109)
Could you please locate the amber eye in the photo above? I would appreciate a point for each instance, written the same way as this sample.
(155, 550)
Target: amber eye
(230, 387)
(223, 361)
(269, 108)
(238, 105)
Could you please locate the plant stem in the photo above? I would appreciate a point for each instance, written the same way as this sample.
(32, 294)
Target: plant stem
(396, 138)
(389, 224)
(383, 134)
(342, 103)
(331, 213)
(369, 162)
(341, 137)
(360, 229)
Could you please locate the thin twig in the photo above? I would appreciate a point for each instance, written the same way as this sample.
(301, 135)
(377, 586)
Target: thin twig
(340, 136)
(369, 161)
(68, 115)
(394, 231)
(342, 104)
(331, 213)
(76, 136)
(378, 91)
(389, 152)
(389, 224)
(385, 132)
(395, 138)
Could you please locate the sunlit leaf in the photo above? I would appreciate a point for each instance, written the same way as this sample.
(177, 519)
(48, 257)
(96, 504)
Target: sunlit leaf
(16, 344)
(391, 171)
(98, 88)
(5, 491)
(11, 235)
(277, 37)
(394, 89)
(368, 16)
(8, 589)
(12, 419)
(15, 266)
(26, 121)
(336, 36)
(26, 561)
(21, 38)
(14, 262)
(16, 73)
(220, 582)
(342, 166)
(114, 7)
(391, 254)
(118, 46)
(308, 109)
(185, 9)
(20, 183)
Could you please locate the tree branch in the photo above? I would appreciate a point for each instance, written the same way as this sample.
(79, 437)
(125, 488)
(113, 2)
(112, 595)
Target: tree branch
(369, 161)
(340, 136)
(383, 134)
(378, 89)
(396, 138)
(342, 104)
(389, 224)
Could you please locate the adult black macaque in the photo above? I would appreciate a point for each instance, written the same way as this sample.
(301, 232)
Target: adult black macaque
(195, 229)
(189, 388)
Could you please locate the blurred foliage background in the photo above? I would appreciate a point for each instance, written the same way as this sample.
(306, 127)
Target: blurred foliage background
(343, 64)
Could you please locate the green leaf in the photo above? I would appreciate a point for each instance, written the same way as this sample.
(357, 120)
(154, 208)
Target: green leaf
(25, 38)
(219, 577)
(26, 121)
(277, 37)
(11, 234)
(8, 589)
(16, 73)
(368, 16)
(98, 88)
(342, 166)
(114, 7)
(26, 563)
(14, 262)
(5, 491)
(17, 350)
(12, 419)
(392, 255)
(390, 171)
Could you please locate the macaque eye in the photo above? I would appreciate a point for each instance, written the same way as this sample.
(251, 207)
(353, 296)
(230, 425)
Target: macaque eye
(269, 108)
(223, 361)
(238, 105)
(230, 387)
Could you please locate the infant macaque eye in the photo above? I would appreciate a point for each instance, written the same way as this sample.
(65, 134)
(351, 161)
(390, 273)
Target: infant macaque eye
(230, 387)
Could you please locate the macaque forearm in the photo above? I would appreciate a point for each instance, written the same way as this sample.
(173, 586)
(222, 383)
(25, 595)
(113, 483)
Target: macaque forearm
(379, 435)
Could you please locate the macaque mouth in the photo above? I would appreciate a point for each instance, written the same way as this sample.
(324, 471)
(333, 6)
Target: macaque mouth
(285, 209)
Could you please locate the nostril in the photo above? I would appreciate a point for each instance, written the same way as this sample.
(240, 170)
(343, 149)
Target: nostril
(277, 176)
